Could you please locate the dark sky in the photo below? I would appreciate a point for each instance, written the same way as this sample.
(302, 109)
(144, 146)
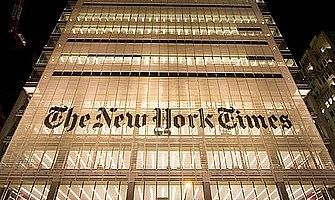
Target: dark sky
(298, 21)
(37, 20)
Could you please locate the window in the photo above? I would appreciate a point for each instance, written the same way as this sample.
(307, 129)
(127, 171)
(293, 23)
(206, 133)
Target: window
(171, 191)
(168, 158)
(92, 190)
(113, 158)
(233, 159)
(39, 159)
(245, 191)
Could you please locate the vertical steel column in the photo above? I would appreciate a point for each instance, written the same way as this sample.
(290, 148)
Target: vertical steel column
(207, 188)
(282, 191)
(53, 190)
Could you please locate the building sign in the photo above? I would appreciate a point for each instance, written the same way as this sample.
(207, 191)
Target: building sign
(164, 119)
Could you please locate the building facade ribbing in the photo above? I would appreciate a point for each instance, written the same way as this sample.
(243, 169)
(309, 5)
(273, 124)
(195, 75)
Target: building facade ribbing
(169, 101)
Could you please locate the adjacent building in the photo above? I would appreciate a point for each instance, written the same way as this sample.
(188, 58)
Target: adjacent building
(318, 69)
(165, 100)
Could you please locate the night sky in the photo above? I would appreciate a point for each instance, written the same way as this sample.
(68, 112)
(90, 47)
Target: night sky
(298, 22)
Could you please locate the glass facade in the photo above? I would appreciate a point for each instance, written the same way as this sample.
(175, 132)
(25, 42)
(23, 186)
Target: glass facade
(144, 100)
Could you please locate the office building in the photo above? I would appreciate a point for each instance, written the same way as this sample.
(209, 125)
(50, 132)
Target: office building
(318, 69)
(165, 100)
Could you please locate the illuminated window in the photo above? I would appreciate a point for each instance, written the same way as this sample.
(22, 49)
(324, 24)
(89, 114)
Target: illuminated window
(159, 60)
(301, 160)
(311, 191)
(171, 191)
(92, 190)
(162, 30)
(39, 159)
(172, 158)
(104, 159)
(240, 190)
(26, 190)
(227, 159)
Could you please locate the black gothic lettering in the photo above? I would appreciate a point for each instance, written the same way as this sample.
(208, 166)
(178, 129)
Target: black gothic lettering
(176, 121)
(191, 120)
(224, 112)
(106, 117)
(84, 119)
(117, 120)
(158, 118)
(253, 121)
(137, 120)
(272, 120)
(98, 124)
(168, 118)
(240, 119)
(202, 118)
(68, 119)
(208, 121)
(286, 123)
(228, 118)
(98, 118)
(55, 117)
(130, 120)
